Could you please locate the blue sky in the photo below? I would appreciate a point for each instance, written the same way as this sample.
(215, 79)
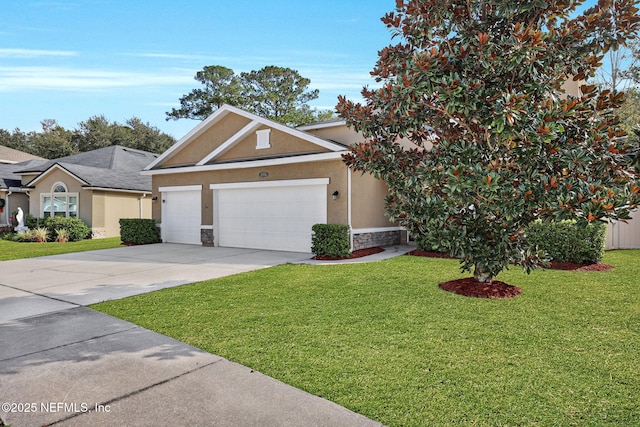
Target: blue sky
(72, 59)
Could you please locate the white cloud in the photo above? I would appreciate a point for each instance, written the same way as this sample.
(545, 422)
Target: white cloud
(15, 79)
(34, 53)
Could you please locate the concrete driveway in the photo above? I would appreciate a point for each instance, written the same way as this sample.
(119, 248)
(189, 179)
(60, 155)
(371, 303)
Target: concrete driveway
(35, 286)
(66, 365)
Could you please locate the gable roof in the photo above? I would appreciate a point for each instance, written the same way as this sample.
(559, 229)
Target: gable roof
(12, 156)
(256, 122)
(114, 168)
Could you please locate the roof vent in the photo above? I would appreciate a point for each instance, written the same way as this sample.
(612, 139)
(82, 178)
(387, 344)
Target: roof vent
(263, 139)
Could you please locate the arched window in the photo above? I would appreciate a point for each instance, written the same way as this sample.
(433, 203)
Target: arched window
(59, 202)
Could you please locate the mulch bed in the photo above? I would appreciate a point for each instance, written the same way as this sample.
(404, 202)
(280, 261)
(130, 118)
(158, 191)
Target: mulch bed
(470, 287)
(553, 265)
(572, 266)
(496, 289)
(355, 254)
(428, 254)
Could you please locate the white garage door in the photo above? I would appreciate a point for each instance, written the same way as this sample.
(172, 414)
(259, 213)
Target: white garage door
(271, 216)
(181, 215)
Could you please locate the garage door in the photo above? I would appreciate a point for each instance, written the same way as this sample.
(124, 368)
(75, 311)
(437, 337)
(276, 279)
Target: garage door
(276, 216)
(181, 215)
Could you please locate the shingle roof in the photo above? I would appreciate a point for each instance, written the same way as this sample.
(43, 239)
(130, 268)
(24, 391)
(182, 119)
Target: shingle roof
(113, 167)
(10, 155)
(8, 176)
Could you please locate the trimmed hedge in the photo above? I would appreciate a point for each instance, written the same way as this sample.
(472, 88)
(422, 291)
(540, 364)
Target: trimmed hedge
(138, 231)
(331, 240)
(568, 241)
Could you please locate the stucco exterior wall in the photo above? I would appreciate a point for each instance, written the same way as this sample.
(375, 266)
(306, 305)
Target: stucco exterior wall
(368, 197)
(342, 134)
(281, 143)
(335, 170)
(110, 207)
(26, 178)
(211, 139)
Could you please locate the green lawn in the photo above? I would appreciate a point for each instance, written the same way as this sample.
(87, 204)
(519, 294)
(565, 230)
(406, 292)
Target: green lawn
(16, 250)
(384, 341)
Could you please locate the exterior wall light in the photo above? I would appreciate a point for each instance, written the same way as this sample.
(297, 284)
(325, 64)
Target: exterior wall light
(335, 195)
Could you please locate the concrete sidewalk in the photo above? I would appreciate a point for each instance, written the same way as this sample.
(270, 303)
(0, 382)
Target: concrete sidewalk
(66, 365)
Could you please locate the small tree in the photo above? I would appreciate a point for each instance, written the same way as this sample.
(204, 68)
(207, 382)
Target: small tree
(482, 81)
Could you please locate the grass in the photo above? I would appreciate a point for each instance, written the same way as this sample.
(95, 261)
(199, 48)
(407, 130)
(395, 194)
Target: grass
(382, 340)
(16, 250)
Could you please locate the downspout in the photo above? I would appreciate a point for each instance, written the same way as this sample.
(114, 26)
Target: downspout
(140, 204)
(349, 206)
(7, 207)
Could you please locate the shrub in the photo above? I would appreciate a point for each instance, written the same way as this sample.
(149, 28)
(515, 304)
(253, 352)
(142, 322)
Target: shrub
(31, 221)
(39, 234)
(568, 241)
(76, 228)
(331, 240)
(138, 231)
(62, 235)
(427, 245)
(23, 236)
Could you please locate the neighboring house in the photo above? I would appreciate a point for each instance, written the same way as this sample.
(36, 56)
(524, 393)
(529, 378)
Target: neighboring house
(239, 180)
(99, 187)
(11, 156)
(10, 195)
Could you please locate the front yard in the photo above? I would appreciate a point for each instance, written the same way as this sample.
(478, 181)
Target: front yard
(384, 341)
(17, 250)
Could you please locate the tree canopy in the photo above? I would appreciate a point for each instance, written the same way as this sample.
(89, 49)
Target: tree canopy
(97, 132)
(276, 93)
(482, 82)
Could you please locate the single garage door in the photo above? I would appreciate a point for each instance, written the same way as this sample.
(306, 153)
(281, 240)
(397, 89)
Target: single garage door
(181, 215)
(270, 215)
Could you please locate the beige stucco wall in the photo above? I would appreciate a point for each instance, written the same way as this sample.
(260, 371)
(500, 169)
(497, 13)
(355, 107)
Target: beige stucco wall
(368, 196)
(341, 134)
(281, 143)
(335, 170)
(26, 178)
(572, 87)
(110, 206)
(205, 143)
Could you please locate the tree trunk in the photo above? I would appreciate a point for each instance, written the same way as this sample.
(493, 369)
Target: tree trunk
(480, 275)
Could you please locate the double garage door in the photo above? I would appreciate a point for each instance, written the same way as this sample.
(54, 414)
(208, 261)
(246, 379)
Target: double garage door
(275, 215)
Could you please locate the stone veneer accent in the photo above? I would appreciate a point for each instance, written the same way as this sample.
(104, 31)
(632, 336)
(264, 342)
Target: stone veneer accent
(381, 238)
(98, 233)
(206, 236)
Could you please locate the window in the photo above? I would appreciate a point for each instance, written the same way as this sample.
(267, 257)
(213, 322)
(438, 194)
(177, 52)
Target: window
(59, 202)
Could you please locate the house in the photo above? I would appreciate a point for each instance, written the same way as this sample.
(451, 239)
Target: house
(10, 160)
(240, 180)
(99, 187)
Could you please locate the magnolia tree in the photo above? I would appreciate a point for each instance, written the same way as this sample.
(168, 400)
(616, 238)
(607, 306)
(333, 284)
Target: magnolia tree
(482, 82)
